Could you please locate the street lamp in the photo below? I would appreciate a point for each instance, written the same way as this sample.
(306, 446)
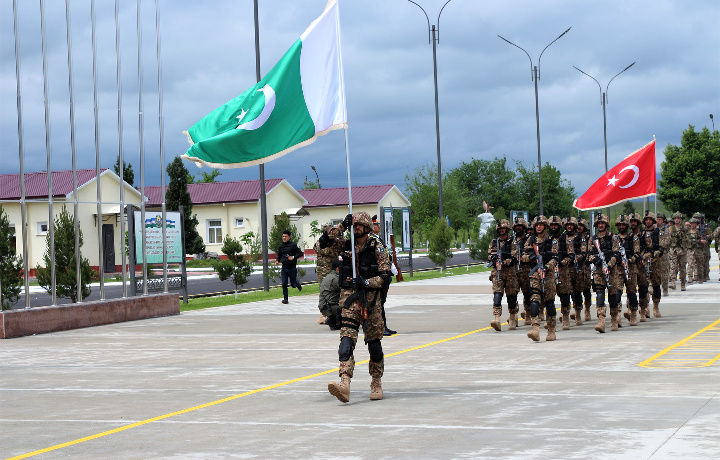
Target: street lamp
(603, 101)
(535, 76)
(434, 37)
(316, 176)
(713, 122)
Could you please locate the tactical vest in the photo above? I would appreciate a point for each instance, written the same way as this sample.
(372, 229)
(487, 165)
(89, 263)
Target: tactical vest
(650, 240)
(694, 240)
(367, 263)
(676, 237)
(627, 242)
(605, 245)
(544, 247)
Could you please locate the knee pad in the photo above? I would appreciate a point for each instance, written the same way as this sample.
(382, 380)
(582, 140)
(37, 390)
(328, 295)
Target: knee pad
(613, 299)
(600, 298)
(587, 294)
(512, 300)
(618, 297)
(534, 309)
(633, 300)
(550, 308)
(346, 348)
(497, 298)
(375, 350)
(657, 292)
(643, 291)
(565, 300)
(577, 298)
(527, 297)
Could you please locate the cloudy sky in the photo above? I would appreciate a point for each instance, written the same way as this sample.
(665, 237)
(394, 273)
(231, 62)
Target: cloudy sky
(486, 95)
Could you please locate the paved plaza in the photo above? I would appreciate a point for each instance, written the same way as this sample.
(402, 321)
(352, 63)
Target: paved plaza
(250, 381)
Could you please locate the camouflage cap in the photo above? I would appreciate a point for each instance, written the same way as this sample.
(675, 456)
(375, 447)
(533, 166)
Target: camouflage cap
(539, 220)
(363, 218)
(602, 218)
(503, 223)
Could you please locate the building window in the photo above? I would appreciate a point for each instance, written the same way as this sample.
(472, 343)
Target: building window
(13, 239)
(239, 222)
(335, 222)
(214, 229)
(42, 228)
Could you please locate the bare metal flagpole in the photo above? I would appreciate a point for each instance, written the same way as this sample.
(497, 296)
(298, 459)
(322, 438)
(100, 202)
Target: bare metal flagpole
(76, 210)
(121, 165)
(51, 217)
(142, 153)
(21, 153)
(162, 150)
(101, 261)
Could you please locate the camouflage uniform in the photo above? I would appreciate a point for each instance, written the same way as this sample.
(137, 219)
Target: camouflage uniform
(542, 290)
(577, 269)
(626, 273)
(664, 264)
(566, 266)
(328, 248)
(522, 268)
(603, 275)
(716, 237)
(705, 240)
(373, 272)
(651, 250)
(585, 281)
(642, 272)
(505, 279)
(695, 254)
(677, 252)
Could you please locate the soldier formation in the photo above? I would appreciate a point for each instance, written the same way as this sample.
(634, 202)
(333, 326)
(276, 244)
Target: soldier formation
(558, 257)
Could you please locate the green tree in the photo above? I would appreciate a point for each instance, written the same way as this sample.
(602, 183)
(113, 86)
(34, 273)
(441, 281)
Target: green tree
(128, 174)
(237, 266)
(690, 174)
(422, 188)
(489, 181)
(628, 208)
(441, 239)
(558, 193)
(177, 195)
(282, 223)
(11, 265)
(208, 178)
(254, 245)
(65, 262)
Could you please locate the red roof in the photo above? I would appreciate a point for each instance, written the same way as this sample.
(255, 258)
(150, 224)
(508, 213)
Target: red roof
(36, 183)
(217, 192)
(368, 194)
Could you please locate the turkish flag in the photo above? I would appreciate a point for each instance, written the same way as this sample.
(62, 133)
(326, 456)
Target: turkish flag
(634, 177)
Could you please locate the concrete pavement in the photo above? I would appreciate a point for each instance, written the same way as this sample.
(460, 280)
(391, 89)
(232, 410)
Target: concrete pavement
(250, 381)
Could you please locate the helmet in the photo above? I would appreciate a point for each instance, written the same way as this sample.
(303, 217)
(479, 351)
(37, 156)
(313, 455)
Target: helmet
(677, 215)
(363, 218)
(650, 215)
(635, 217)
(554, 220)
(661, 215)
(584, 223)
(570, 220)
(694, 221)
(601, 218)
(697, 215)
(539, 220)
(503, 223)
(622, 219)
(519, 221)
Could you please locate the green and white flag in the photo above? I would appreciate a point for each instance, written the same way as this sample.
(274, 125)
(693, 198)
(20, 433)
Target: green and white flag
(301, 98)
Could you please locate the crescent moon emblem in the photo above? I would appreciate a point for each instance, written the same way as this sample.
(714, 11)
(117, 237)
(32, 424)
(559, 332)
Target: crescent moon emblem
(269, 94)
(635, 178)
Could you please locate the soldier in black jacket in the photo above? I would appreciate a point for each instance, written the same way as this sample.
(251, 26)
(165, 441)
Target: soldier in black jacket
(287, 254)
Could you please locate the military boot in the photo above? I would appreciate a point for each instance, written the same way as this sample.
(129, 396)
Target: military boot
(512, 321)
(565, 318)
(497, 311)
(587, 312)
(341, 390)
(376, 392)
(526, 316)
(682, 285)
(535, 332)
(672, 285)
(551, 328)
(633, 317)
(541, 317)
(601, 319)
(656, 308)
(641, 310)
(614, 314)
(578, 314)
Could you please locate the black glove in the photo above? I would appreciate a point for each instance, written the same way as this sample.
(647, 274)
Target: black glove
(598, 262)
(324, 240)
(347, 222)
(359, 283)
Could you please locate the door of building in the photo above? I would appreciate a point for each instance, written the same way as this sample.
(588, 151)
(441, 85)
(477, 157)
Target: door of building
(108, 242)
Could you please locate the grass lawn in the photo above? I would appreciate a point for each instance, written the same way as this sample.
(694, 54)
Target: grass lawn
(309, 289)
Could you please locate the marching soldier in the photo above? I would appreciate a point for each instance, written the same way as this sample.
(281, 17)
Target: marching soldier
(585, 281)
(539, 248)
(578, 243)
(643, 275)
(360, 300)
(677, 251)
(523, 268)
(602, 258)
(566, 265)
(651, 251)
(695, 253)
(716, 237)
(502, 255)
(328, 247)
(707, 237)
(626, 274)
(664, 265)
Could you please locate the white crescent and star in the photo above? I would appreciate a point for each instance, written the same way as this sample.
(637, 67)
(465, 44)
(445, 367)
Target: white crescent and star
(269, 94)
(636, 176)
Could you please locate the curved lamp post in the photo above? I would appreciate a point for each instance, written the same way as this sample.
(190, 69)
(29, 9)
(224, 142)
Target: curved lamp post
(434, 37)
(535, 76)
(603, 101)
(713, 121)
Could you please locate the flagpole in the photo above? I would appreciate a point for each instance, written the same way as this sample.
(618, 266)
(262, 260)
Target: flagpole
(352, 233)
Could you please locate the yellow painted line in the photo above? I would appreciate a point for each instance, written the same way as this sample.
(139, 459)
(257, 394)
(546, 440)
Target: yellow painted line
(690, 346)
(224, 400)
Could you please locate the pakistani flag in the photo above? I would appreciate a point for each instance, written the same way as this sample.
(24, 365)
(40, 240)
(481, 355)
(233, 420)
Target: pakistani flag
(301, 98)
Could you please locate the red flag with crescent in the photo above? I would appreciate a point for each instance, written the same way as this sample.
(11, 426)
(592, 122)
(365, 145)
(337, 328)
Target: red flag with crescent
(634, 177)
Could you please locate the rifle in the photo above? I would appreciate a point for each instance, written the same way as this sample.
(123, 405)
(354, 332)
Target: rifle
(496, 259)
(624, 261)
(519, 252)
(601, 254)
(648, 267)
(557, 275)
(539, 267)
